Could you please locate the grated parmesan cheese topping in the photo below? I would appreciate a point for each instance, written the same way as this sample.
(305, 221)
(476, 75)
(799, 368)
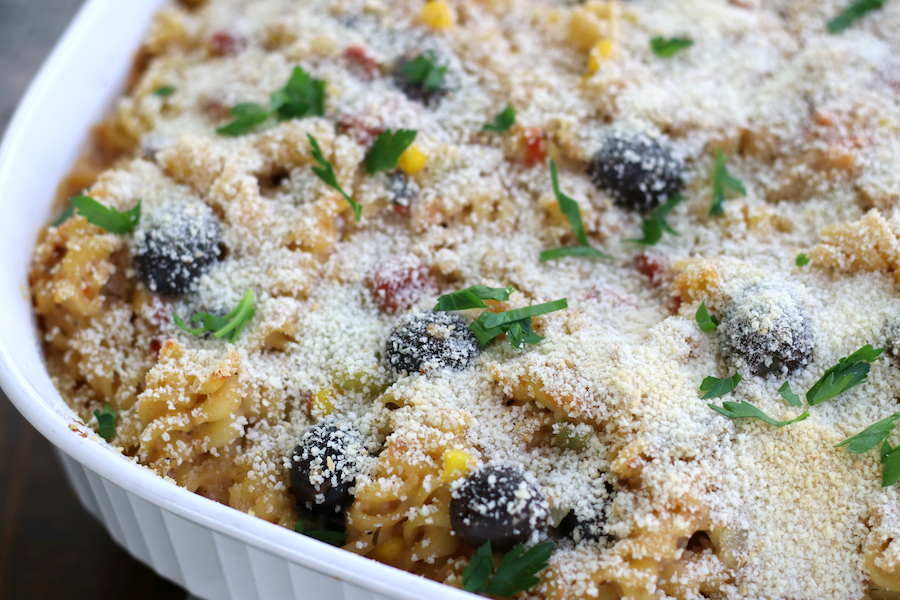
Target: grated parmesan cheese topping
(810, 123)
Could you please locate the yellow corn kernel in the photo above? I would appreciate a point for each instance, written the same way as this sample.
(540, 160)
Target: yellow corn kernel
(456, 464)
(602, 50)
(412, 160)
(323, 401)
(437, 14)
(389, 550)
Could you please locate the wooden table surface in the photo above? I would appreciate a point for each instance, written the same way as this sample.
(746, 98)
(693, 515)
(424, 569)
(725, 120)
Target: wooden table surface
(50, 548)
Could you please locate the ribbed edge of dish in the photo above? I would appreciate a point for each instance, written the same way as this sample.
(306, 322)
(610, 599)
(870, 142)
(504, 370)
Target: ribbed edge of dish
(213, 565)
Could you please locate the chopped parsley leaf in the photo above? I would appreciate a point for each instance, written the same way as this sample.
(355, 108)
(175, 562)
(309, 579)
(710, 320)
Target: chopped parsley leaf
(325, 172)
(555, 253)
(247, 117)
(734, 410)
(164, 91)
(516, 324)
(229, 327)
(502, 121)
(517, 572)
(65, 216)
(853, 12)
(871, 436)
(890, 461)
(723, 180)
(786, 393)
(569, 207)
(335, 538)
(527, 312)
(385, 152)
(705, 321)
(848, 373)
(472, 297)
(106, 217)
(106, 422)
(802, 260)
(302, 96)
(654, 226)
(716, 388)
(425, 70)
(665, 48)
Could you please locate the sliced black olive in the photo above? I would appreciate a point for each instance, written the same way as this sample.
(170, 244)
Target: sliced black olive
(500, 505)
(432, 340)
(637, 172)
(173, 247)
(324, 466)
(767, 329)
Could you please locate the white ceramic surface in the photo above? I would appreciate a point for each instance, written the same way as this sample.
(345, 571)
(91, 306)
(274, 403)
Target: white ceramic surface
(212, 550)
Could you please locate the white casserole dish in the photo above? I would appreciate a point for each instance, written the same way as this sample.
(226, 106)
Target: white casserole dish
(212, 550)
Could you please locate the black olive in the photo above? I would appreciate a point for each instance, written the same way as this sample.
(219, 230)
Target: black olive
(499, 505)
(765, 328)
(432, 340)
(590, 528)
(324, 466)
(173, 247)
(637, 172)
(424, 92)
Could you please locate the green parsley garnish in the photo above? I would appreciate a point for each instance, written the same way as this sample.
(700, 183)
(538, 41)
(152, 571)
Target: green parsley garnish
(65, 216)
(502, 121)
(802, 260)
(786, 393)
(164, 91)
(335, 538)
(722, 180)
(890, 461)
(705, 321)
(516, 323)
(106, 422)
(325, 172)
(425, 70)
(853, 12)
(569, 207)
(654, 226)
(517, 572)
(472, 297)
(665, 48)
(229, 327)
(302, 96)
(848, 373)
(385, 152)
(716, 388)
(517, 314)
(102, 216)
(871, 436)
(734, 410)
(247, 117)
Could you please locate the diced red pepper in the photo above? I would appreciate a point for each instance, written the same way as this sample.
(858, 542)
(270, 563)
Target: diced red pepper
(400, 282)
(224, 43)
(361, 60)
(535, 146)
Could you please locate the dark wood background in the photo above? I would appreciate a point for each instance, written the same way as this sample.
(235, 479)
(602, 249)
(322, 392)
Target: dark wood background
(50, 548)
